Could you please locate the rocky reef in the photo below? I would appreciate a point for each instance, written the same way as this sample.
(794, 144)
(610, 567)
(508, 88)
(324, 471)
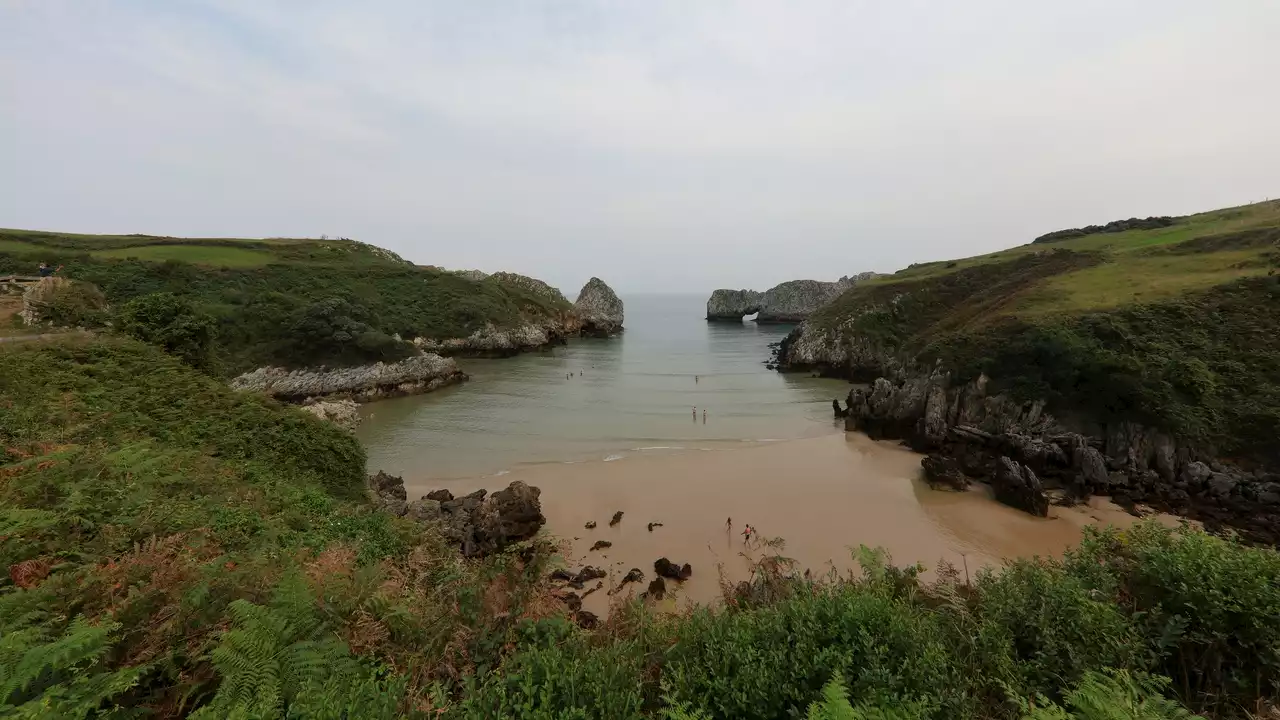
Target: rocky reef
(1032, 458)
(599, 309)
(788, 302)
(491, 341)
(413, 375)
(480, 525)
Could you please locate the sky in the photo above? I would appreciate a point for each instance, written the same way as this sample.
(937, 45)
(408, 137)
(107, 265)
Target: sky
(662, 145)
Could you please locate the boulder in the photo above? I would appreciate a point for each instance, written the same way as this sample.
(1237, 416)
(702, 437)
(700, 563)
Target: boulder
(657, 589)
(1016, 485)
(599, 309)
(667, 569)
(387, 493)
(601, 545)
(479, 525)
(617, 518)
(941, 471)
(343, 413)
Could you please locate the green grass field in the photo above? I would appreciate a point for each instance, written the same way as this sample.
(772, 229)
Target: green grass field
(211, 255)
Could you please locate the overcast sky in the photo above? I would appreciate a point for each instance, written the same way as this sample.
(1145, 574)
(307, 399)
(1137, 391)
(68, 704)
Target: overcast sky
(662, 145)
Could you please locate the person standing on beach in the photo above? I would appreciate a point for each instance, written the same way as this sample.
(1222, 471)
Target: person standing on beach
(704, 416)
(695, 413)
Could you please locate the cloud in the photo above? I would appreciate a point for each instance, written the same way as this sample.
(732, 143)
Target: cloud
(662, 145)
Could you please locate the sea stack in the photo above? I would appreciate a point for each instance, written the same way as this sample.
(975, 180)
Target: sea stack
(599, 309)
(788, 302)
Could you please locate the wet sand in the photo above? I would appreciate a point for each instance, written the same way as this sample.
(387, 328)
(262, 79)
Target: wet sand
(823, 496)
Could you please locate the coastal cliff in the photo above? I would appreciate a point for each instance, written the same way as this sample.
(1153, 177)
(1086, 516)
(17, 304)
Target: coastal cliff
(599, 309)
(1140, 364)
(788, 302)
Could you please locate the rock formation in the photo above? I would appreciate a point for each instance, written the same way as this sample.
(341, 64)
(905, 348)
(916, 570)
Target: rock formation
(733, 305)
(599, 309)
(417, 374)
(1022, 450)
(343, 413)
(41, 301)
(552, 324)
(479, 525)
(789, 302)
(530, 285)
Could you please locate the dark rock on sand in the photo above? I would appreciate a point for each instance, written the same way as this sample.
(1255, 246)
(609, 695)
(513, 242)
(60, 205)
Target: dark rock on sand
(654, 525)
(580, 578)
(586, 619)
(617, 518)
(941, 471)
(601, 544)
(571, 600)
(1017, 486)
(665, 568)
(657, 589)
(590, 525)
(839, 411)
(440, 495)
(634, 575)
(479, 525)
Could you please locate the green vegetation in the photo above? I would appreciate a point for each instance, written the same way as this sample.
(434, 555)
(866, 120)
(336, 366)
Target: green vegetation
(1177, 327)
(174, 548)
(351, 299)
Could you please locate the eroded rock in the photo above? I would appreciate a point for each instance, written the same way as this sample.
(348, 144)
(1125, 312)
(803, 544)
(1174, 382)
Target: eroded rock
(413, 375)
(599, 309)
(480, 525)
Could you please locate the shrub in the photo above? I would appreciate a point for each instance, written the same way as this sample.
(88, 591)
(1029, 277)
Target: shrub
(173, 324)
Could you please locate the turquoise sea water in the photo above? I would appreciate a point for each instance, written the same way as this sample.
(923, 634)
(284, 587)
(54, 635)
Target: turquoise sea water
(627, 395)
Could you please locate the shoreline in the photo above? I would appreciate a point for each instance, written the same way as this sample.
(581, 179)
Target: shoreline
(823, 496)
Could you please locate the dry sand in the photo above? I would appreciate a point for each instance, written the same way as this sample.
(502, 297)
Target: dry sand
(823, 496)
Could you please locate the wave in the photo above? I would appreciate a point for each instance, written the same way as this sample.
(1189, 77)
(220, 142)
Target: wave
(661, 447)
(611, 458)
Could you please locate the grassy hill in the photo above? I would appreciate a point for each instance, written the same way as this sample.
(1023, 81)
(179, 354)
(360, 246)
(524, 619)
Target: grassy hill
(1177, 327)
(347, 298)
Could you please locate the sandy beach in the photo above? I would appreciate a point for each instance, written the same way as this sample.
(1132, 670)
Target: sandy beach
(822, 495)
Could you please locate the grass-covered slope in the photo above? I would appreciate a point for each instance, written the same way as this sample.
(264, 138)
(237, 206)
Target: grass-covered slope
(175, 549)
(284, 301)
(1177, 327)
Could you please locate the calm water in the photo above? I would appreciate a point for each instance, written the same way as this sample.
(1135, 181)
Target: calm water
(634, 396)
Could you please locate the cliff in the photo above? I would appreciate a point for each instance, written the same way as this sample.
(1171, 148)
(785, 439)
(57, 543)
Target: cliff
(788, 302)
(1152, 340)
(599, 309)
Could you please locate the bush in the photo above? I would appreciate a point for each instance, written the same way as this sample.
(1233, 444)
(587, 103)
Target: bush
(173, 324)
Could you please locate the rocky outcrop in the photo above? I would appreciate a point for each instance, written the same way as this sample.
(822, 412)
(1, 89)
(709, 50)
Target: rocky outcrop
(1023, 451)
(789, 302)
(480, 526)
(733, 305)
(599, 309)
(492, 341)
(417, 374)
(343, 413)
(58, 300)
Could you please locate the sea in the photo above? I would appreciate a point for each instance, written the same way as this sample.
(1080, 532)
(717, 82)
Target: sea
(672, 382)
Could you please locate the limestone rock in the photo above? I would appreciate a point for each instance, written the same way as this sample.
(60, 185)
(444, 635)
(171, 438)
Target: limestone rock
(480, 526)
(41, 301)
(733, 304)
(787, 302)
(599, 308)
(343, 413)
(1017, 486)
(943, 472)
(417, 374)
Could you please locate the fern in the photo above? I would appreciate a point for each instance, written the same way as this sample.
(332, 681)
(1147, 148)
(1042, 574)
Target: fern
(835, 705)
(43, 675)
(277, 662)
(1120, 695)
